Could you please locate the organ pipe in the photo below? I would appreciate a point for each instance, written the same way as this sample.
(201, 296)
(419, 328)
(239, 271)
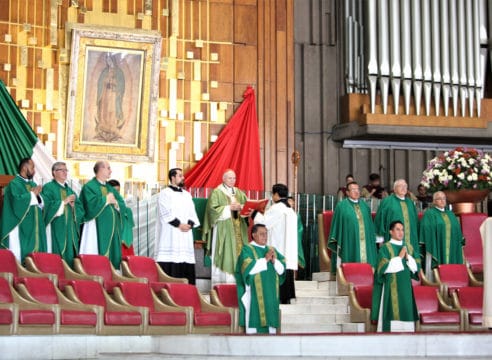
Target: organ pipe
(418, 46)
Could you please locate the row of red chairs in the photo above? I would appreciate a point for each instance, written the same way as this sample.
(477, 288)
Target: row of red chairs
(470, 226)
(454, 302)
(49, 297)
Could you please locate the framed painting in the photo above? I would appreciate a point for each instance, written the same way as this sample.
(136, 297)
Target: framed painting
(113, 92)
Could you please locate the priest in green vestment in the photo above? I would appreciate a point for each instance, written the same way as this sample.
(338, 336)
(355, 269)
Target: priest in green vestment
(104, 208)
(259, 272)
(22, 228)
(63, 214)
(393, 302)
(352, 237)
(398, 206)
(440, 234)
(224, 229)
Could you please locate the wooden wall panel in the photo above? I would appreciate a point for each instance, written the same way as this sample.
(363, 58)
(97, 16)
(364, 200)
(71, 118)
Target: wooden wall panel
(245, 24)
(223, 71)
(221, 22)
(245, 70)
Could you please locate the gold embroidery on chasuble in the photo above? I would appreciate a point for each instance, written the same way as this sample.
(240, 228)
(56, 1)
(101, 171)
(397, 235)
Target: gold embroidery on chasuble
(259, 291)
(447, 224)
(394, 288)
(236, 223)
(406, 220)
(63, 195)
(362, 234)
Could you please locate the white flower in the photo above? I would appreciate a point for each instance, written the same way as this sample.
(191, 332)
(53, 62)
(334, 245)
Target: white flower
(474, 177)
(469, 177)
(461, 176)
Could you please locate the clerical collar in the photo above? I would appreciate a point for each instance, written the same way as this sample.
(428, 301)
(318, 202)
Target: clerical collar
(100, 182)
(401, 198)
(23, 178)
(440, 209)
(396, 242)
(354, 201)
(176, 188)
(254, 243)
(61, 184)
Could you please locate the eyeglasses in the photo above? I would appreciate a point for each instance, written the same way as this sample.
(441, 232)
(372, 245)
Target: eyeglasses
(64, 170)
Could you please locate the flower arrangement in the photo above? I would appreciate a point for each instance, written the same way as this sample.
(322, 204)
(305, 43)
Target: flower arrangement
(458, 169)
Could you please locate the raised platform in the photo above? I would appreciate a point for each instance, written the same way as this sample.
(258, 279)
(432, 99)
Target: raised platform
(326, 346)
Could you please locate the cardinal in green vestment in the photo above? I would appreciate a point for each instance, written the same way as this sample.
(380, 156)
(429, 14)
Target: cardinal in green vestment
(224, 229)
(104, 208)
(22, 228)
(352, 237)
(63, 214)
(393, 302)
(260, 270)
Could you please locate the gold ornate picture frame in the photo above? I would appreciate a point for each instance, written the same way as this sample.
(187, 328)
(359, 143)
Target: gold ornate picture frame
(113, 92)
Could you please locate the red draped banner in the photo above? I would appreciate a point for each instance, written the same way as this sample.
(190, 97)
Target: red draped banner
(237, 148)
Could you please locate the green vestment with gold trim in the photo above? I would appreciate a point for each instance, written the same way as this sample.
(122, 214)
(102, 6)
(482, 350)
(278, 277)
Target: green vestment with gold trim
(396, 288)
(65, 228)
(440, 234)
(231, 233)
(265, 303)
(109, 221)
(18, 211)
(393, 208)
(352, 235)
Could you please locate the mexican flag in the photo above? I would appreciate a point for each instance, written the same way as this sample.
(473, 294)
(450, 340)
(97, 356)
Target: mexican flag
(18, 140)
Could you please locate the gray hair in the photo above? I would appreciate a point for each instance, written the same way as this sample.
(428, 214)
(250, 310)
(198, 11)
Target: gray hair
(56, 165)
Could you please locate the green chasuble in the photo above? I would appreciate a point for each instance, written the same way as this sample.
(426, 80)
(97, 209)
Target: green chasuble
(109, 222)
(395, 288)
(352, 235)
(393, 208)
(264, 286)
(440, 233)
(17, 211)
(231, 233)
(128, 224)
(65, 228)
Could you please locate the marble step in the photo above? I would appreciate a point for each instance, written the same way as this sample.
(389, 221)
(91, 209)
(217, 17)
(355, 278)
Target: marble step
(320, 299)
(335, 308)
(315, 319)
(305, 328)
(326, 287)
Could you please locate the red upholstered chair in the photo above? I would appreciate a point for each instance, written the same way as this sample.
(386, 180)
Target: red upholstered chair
(470, 300)
(13, 269)
(162, 318)
(101, 266)
(21, 316)
(453, 276)
(74, 318)
(324, 225)
(207, 318)
(360, 302)
(473, 250)
(118, 319)
(225, 295)
(434, 313)
(144, 267)
(46, 263)
(357, 274)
